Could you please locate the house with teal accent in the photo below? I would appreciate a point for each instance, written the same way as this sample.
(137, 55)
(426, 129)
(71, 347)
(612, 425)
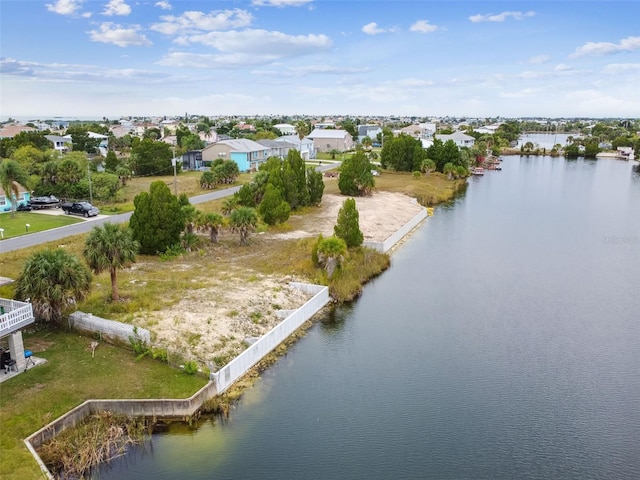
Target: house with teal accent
(249, 155)
(8, 198)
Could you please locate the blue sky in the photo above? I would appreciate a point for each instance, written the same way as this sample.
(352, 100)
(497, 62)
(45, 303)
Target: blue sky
(95, 58)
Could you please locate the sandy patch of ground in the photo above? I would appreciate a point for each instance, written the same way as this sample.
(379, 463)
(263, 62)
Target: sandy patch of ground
(216, 323)
(213, 324)
(380, 216)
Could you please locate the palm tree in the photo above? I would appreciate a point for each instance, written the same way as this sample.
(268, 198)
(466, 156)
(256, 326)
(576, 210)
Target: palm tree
(211, 222)
(331, 252)
(110, 247)
(53, 279)
(12, 175)
(243, 220)
(449, 169)
(302, 129)
(229, 205)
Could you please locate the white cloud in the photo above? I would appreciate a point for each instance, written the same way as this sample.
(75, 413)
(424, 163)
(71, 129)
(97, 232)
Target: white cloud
(116, 7)
(193, 21)
(628, 44)
(500, 17)
(164, 5)
(213, 60)
(622, 68)
(9, 66)
(423, 26)
(64, 7)
(261, 43)
(561, 67)
(591, 102)
(311, 70)
(525, 92)
(372, 29)
(119, 35)
(245, 48)
(280, 3)
(538, 59)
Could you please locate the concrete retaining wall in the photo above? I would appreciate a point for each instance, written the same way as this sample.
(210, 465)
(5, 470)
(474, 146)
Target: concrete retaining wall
(109, 329)
(398, 235)
(179, 408)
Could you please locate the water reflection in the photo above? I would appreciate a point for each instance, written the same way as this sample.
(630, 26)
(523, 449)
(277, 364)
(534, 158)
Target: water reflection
(502, 343)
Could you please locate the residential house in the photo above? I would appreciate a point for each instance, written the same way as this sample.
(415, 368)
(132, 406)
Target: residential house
(277, 149)
(370, 131)
(103, 145)
(327, 140)
(324, 125)
(192, 160)
(60, 144)
(626, 153)
(209, 137)
(120, 131)
(11, 131)
(459, 138)
(488, 129)
(428, 130)
(286, 128)
(246, 153)
(306, 147)
(8, 198)
(412, 130)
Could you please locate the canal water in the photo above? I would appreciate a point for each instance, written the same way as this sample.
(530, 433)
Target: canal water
(503, 343)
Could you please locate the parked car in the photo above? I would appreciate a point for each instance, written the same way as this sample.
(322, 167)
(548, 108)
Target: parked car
(80, 208)
(24, 207)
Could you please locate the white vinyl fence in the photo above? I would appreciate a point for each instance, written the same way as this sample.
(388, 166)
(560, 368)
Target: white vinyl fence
(228, 374)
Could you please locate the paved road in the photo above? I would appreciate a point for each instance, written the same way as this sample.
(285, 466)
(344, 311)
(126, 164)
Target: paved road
(33, 239)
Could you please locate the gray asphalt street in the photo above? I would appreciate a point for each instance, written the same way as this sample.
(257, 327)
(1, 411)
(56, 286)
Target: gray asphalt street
(33, 239)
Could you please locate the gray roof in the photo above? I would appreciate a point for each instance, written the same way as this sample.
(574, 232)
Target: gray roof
(243, 145)
(328, 133)
(457, 135)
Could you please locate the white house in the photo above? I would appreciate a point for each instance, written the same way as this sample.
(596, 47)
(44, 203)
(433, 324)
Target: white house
(459, 138)
(277, 148)
(60, 144)
(286, 128)
(370, 131)
(326, 140)
(305, 146)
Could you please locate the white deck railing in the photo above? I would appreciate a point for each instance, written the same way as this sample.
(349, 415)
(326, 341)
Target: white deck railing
(14, 315)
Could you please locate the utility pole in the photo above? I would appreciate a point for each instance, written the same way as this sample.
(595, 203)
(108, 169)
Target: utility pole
(175, 175)
(89, 175)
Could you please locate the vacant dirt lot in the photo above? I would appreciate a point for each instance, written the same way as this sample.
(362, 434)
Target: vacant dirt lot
(215, 322)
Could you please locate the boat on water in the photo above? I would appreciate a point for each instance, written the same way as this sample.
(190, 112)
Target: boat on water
(477, 171)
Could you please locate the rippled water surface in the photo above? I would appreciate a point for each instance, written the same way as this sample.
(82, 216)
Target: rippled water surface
(503, 343)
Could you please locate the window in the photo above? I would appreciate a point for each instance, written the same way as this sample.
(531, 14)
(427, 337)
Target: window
(3, 200)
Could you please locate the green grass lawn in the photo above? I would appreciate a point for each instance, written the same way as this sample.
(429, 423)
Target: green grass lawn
(16, 226)
(41, 394)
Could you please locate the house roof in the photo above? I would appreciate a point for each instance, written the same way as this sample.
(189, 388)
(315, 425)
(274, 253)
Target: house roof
(365, 129)
(11, 131)
(242, 145)
(324, 133)
(458, 135)
(55, 138)
(294, 139)
(21, 189)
